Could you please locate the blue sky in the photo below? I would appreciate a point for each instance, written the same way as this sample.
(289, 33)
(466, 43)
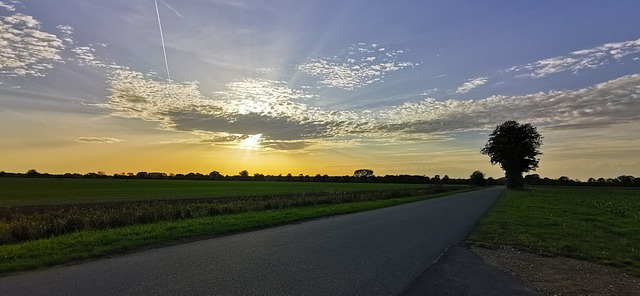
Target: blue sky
(381, 84)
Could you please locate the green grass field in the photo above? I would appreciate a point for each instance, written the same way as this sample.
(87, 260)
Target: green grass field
(601, 225)
(45, 191)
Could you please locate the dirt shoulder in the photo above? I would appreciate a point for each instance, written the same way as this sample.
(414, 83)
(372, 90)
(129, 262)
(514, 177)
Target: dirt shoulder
(559, 275)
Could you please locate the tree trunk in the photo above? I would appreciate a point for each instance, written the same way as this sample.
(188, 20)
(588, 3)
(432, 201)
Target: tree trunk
(514, 180)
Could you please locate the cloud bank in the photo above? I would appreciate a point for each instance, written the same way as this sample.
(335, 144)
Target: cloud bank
(276, 112)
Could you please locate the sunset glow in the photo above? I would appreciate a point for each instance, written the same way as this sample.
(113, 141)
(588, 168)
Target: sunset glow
(316, 87)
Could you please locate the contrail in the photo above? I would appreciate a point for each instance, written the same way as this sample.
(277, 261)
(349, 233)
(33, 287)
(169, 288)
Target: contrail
(166, 63)
(172, 9)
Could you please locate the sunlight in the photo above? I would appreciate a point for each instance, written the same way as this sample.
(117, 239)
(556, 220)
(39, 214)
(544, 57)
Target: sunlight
(252, 142)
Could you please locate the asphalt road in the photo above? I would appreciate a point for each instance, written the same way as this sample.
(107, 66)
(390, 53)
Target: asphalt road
(378, 252)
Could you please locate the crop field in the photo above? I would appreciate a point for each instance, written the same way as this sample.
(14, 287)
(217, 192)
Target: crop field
(51, 191)
(40, 208)
(49, 221)
(600, 225)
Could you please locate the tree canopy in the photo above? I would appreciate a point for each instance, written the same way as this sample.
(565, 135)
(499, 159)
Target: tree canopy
(363, 173)
(515, 147)
(477, 179)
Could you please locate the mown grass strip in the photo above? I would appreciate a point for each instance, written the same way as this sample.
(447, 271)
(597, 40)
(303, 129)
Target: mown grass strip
(92, 244)
(600, 225)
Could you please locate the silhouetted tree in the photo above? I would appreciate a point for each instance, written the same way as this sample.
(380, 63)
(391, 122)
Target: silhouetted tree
(477, 179)
(515, 147)
(532, 179)
(215, 175)
(32, 173)
(625, 180)
(564, 180)
(363, 173)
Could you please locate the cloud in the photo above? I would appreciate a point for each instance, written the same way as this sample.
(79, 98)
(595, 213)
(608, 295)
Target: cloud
(85, 56)
(361, 65)
(613, 102)
(25, 49)
(277, 112)
(246, 107)
(7, 7)
(99, 140)
(429, 92)
(66, 31)
(471, 84)
(579, 60)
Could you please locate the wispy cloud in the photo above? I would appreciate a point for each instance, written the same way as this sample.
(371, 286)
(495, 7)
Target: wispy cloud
(471, 84)
(429, 92)
(579, 60)
(99, 140)
(361, 65)
(7, 7)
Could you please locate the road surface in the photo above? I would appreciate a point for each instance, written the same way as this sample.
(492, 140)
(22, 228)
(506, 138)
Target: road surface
(379, 252)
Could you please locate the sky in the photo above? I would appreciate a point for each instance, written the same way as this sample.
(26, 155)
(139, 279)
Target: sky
(316, 87)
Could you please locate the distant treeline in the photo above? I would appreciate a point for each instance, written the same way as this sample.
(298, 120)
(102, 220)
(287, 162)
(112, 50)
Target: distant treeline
(245, 176)
(532, 179)
(620, 181)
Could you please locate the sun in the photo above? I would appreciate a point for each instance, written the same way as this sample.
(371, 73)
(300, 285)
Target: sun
(252, 142)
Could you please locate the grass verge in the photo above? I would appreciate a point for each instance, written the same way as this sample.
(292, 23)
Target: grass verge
(599, 225)
(88, 244)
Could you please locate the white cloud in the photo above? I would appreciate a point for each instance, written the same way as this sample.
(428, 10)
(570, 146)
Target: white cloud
(471, 84)
(66, 31)
(579, 60)
(429, 92)
(85, 56)
(24, 49)
(7, 7)
(264, 70)
(360, 66)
